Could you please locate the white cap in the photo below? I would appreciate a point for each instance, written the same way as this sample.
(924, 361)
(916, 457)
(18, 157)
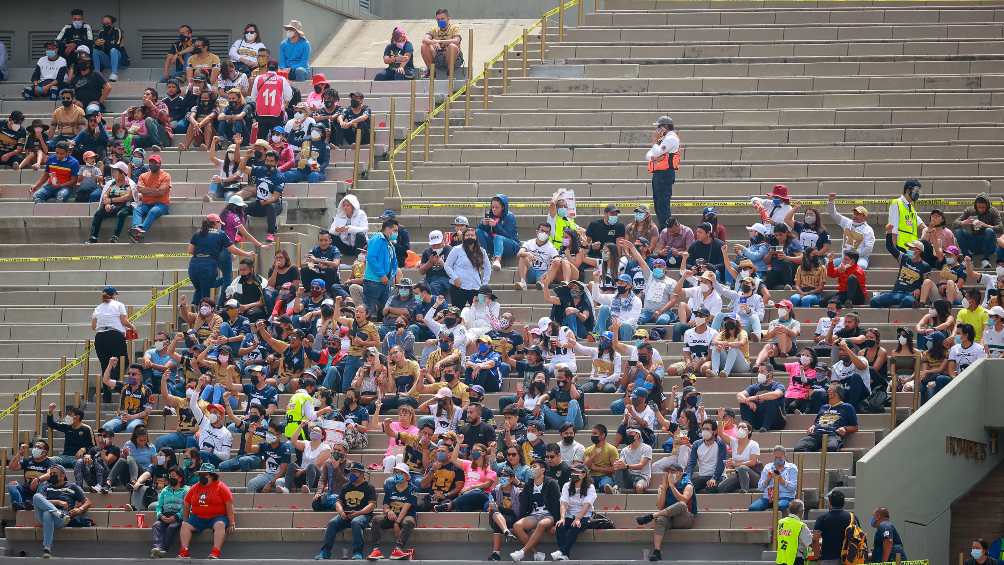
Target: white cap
(444, 392)
(122, 167)
(996, 311)
(435, 236)
(403, 468)
(327, 302)
(762, 229)
(232, 303)
(543, 323)
(83, 49)
(236, 199)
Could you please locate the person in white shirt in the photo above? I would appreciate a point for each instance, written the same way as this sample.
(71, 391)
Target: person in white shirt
(858, 235)
(350, 226)
(571, 450)
(851, 371)
(623, 304)
(781, 333)
(658, 290)
(993, 334)
(775, 207)
(214, 439)
(534, 258)
(577, 498)
(605, 367)
(745, 306)
(687, 300)
(696, 347)
(244, 52)
(634, 466)
(665, 145)
(965, 352)
(110, 320)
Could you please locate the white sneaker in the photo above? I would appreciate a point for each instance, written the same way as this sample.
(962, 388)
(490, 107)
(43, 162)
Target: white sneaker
(521, 284)
(114, 77)
(539, 556)
(615, 489)
(517, 555)
(985, 265)
(497, 264)
(557, 556)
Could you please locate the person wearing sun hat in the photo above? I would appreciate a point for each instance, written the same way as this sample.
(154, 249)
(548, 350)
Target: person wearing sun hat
(209, 505)
(294, 52)
(775, 207)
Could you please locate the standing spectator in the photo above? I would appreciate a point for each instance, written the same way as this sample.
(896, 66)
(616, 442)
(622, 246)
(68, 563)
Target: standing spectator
(858, 235)
(60, 177)
(977, 230)
(73, 35)
(469, 269)
(294, 52)
(206, 247)
(271, 93)
(540, 509)
(794, 537)
(57, 503)
(354, 118)
(154, 188)
(706, 467)
(354, 510)
(110, 321)
(202, 61)
(887, 545)
(208, 505)
(828, 533)
(762, 404)
(980, 554)
(835, 421)
(381, 268)
(349, 226)
(663, 162)
(441, 46)
(49, 75)
(780, 475)
(497, 231)
(109, 48)
(677, 507)
(244, 52)
(399, 57)
(906, 223)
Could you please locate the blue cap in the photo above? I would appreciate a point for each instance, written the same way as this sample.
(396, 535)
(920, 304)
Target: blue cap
(109, 290)
(608, 335)
(318, 282)
(625, 278)
(279, 129)
(388, 213)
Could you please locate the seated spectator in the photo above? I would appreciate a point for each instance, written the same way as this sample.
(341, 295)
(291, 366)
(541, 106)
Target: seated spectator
(276, 455)
(93, 138)
(800, 397)
(235, 119)
(399, 57)
(993, 333)
(215, 440)
(168, 517)
(622, 305)
(858, 236)
(746, 305)
(298, 126)
(136, 457)
(781, 336)
(208, 505)
(980, 553)
(77, 436)
(49, 75)
(910, 277)
(785, 254)
(349, 226)
(563, 403)
(951, 275)
(937, 232)
(701, 296)
(707, 459)
(60, 178)
(677, 507)
(697, 346)
(809, 281)
(68, 119)
(294, 52)
(75, 34)
(497, 231)
(268, 184)
(811, 234)
(90, 88)
(36, 146)
(109, 50)
(34, 463)
(577, 498)
(729, 349)
(535, 257)
(176, 60)
(603, 235)
(178, 104)
(540, 509)
(775, 207)
(851, 279)
(673, 240)
(244, 52)
(599, 459)
(762, 404)
(657, 290)
(777, 475)
(58, 502)
(355, 118)
(634, 466)
(13, 136)
(835, 420)
(759, 247)
(315, 100)
(135, 401)
(154, 188)
(313, 159)
(202, 61)
(966, 351)
(399, 513)
(354, 510)
(441, 46)
(744, 464)
(157, 118)
(977, 230)
(201, 122)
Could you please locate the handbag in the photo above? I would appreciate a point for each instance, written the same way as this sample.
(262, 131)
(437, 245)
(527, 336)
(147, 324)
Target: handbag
(600, 522)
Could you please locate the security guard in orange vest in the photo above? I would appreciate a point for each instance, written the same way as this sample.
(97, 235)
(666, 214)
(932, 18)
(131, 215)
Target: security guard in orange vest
(663, 162)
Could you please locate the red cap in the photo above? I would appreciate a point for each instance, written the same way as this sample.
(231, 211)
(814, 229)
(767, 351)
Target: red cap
(155, 157)
(785, 304)
(779, 191)
(216, 408)
(317, 79)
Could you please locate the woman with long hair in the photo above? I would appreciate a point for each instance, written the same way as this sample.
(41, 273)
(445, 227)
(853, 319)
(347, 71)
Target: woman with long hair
(469, 269)
(315, 453)
(577, 498)
(228, 178)
(935, 325)
(566, 266)
(233, 218)
(205, 247)
(642, 226)
(811, 233)
(744, 466)
(479, 479)
(802, 380)
(730, 349)
(201, 121)
(281, 272)
(110, 322)
(904, 360)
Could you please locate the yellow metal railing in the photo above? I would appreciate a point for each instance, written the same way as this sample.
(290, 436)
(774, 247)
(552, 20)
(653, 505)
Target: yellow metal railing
(393, 189)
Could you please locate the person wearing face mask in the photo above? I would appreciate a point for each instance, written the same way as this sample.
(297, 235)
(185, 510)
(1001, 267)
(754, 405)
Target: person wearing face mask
(781, 335)
(479, 478)
(803, 381)
(858, 236)
(730, 349)
(697, 346)
(397, 307)
(699, 295)
(485, 367)
(314, 157)
(775, 207)
(315, 102)
(906, 223)
(483, 314)
(504, 508)
(469, 268)
(744, 465)
(234, 124)
(561, 217)
(634, 466)
(214, 439)
(154, 188)
(852, 371)
(276, 456)
(966, 351)
(13, 136)
(205, 247)
(74, 34)
(298, 126)
(109, 50)
(90, 88)
(706, 467)
(952, 275)
(354, 118)
(34, 462)
(658, 290)
(443, 479)
(202, 60)
(268, 185)
(176, 60)
(758, 248)
(977, 230)
(563, 404)
(135, 401)
(167, 520)
(603, 235)
(887, 545)
(834, 422)
(60, 177)
(677, 507)
(913, 267)
(540, 508)
(209, 505)
(534, 257)
(746, 305)
(271, 93)
(441, 46)
(829, 530)
(399, 513)
(399, 56)
(349, 226)
(48, 76)
(78, 437)
(381, 267)
(68, 119)
(294, 52)
(980, 554)
(497, 231)
(779, 475)
(244, 52)
(57, 503)
(142, 497)
(622, 304)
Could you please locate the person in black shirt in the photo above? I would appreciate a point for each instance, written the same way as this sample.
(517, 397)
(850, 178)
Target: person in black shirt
(710, 250)
(354, 510)
(399, 510)
(56, 503)
(828, 531)
(914, 264)
(355, 117)
(109, 50)
(556, 468)
(35, 463)
(12, 139)
(89, 87)
(477, 430)
(78, 437)
(887, 545)
(603, 235)
(251, 295)
(539, 509)
(178, 105)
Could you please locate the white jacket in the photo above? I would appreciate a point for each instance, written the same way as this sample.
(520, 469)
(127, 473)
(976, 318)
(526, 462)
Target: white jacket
(358, 223)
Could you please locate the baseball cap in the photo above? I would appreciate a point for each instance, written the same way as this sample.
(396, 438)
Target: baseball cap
(461, 221)
(121, 167)
(625, 278)
(403, 468)
(109, 290)
(435, 236)
(444, 392)
(663, 121)
(762, 229)
(232, 303)
(861, 210)
(237, 200)
(155, 158)
(611, 208)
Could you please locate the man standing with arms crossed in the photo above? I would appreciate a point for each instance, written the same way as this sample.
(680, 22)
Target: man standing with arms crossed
(663, 162)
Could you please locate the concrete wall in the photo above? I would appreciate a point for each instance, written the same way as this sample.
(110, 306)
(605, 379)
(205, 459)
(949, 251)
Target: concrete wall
(910, 472)
(269, 15)
(465, 9)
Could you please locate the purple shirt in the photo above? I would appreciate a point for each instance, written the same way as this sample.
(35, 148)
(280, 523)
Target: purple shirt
(677, 243)
(231, 223)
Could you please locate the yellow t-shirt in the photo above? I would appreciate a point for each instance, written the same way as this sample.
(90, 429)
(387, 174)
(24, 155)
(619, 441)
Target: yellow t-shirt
(976, 318)
(452, 30)
(605, 457)
(371, 335)
(204, 62)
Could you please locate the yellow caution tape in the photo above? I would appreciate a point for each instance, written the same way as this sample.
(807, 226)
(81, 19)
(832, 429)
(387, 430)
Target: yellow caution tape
(55, 259)
(914, 562)
(700, 203)
(62, 371)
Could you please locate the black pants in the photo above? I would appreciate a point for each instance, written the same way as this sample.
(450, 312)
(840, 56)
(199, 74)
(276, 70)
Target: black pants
(815, 443)
(662, 194)
(120, 212)
(265, 125)
(769, 414)
(853, 294)
(701, 484)
(350, 250)
(347, 136)
(780, 274)
(269, 211)
(108, 344)
(460, 297)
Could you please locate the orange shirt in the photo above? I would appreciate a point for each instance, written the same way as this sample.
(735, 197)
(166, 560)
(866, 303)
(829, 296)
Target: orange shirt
(161, 179)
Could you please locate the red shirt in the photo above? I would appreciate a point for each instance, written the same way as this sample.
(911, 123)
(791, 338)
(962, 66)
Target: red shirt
(843, 274)
(209, 501)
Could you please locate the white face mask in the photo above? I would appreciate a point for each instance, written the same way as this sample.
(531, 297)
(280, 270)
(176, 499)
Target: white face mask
(761, 378)
(276, 138)
(741, 433)
(782, 312)
(37, 452)
(290, 34)
(249, 36)
(805, 359)
(205, 310)
(950, 261)
(298, 116)
(902, 340)
(315, 136)
(567, 242)
(161, 459)
(68, 420)
(530, 436)
(270, 438)
(932, 311)
(810, 218)
(706, 434)
(700, 320)
(542, 237)
(705, 287)
(1000, 270)
(965, 303)
(158, 344)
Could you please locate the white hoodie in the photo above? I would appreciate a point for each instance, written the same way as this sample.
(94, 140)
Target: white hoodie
(358, 223)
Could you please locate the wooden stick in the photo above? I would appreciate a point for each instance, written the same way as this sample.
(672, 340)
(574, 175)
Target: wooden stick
(62, 387)
(893, 385)
(371, 156)
(87, 370)
(822, 470)
(526, 47)
(428, 113)
(801, 474)
(15, 430)
(484, 88)
(561, 20)
(355, 160)
(174, 299)
(446, 111)
(505, 70)
(470, 77)
(3, 475)
(774, 512)
(299, 254)
(578, 16)
(38, 410)
(411, 125)
(129, 343)
(543, 37)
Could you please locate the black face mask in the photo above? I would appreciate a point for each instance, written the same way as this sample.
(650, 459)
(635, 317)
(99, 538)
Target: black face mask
(327, 311)
(868, 343)
(81, 67)
(449, 377)
(831, 314)
(318, 89)
(357, 103)
(595, 439)
(622, 290)
(204, 480)
(173, 481)
(450, 322)
(67, 103)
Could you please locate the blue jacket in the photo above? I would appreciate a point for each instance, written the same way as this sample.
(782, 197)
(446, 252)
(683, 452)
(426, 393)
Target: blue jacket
(507, 222)
(756, 252)
(719, 466)
(381, 261)
(293, 55)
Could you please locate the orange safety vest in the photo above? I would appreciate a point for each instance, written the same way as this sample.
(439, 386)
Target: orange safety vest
(663, 163)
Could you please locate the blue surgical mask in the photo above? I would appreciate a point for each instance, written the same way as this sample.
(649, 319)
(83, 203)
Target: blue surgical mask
(442, 457)
(481, 299)
(872, 522)
(50, 53)
(393, 236)
(353, 477)
(976, 553)
(658, 273)
(958, 340)
(444, 346)
(398, 477)
(475, 455)
(137, 160)
(562, 212)
(483, 348)
(778, 202)
(612, 220)
(403, 293)
(909, 255)
(442, 24)
(779, 462)
(639, 216)
(503, 481)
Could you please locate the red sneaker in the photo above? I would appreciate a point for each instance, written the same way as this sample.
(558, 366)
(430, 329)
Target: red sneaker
(215, 553)
(398, 554)
(183, 553)
(375, 554)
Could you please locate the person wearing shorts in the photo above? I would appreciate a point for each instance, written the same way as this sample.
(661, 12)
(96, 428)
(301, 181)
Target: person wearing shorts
(540, 508)
(209, 505)
(503, 510)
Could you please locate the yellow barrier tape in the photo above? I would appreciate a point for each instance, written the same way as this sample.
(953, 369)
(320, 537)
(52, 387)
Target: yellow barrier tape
(62, 371)
(914, 562)
(701, 203)
(53, 259)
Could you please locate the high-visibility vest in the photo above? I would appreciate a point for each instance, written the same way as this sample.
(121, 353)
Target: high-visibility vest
(906, 230)
(559, 230)
(294, 411)
(788, 529)
(664, 162)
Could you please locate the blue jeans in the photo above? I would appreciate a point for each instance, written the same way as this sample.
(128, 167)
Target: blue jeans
(474, 500)
(49, 516)
(973, 244)
(603, 481)
(241, 463)
(258, 482)
(180, 126)
(175, 440)
(940, 382)
(728, 361)
(575, 324)
(647, 316)
(110, 59)
(924, 341)
(332, 378)
(116, 425)
(750, 324)
(213, 394)
(893, 300)
(553, 420)
(439, 286)
(375, 295)
(807, 301)
(299, 73)
(19, 494)
(144, 215)
(349, 365)
(337, 524)
(227, 129)
(203, 272)
(501, 246)
(764, 503)
(48, 192)
(297, 175)
(617, 406)
(603, 323)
